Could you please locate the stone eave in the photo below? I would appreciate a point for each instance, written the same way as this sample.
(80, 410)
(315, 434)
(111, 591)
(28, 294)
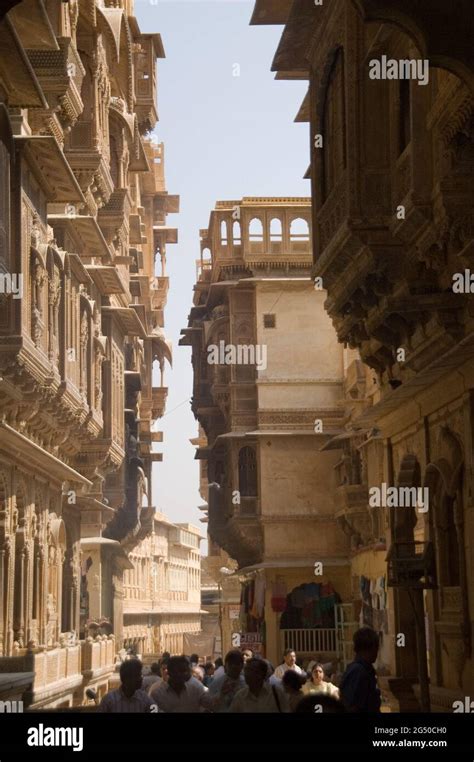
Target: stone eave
(267, 12)
(16, 444)
(86, 229)
(107, 279)
(53, 172)
(128, 319)
(33, 26)
(291, 54)
(16, 71)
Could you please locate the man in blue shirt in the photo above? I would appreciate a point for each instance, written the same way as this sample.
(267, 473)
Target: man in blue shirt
(358, 687)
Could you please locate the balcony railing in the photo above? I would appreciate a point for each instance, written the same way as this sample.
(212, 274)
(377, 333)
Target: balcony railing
(98, 654)
(309, 642)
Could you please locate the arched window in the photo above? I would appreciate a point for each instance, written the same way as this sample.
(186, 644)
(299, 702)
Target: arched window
(248, 472)
(256, 229)
(276, 233)
(224, 232)
(299, 230)
(334, 126)
(236, 232)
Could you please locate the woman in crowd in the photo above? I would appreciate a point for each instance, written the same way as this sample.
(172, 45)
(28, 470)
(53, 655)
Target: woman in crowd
(317, 683)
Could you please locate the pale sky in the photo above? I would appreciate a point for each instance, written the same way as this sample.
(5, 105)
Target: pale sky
(225, 137)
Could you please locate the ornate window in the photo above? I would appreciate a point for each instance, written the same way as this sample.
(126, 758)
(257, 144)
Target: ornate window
(334, 126)
(248, 472)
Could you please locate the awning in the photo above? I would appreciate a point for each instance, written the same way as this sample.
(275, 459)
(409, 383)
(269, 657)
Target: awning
(128, 319)
(16, 445)
(271, 12)
(17, 73)
(165, 233)
(202, 453)
(165, 202)
(336, 442)
(107, 279)
(33, 26)
(43, 153)
(85, 228)
(303, 114)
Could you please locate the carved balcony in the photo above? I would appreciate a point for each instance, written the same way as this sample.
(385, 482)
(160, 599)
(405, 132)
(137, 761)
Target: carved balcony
(241, 537)
(60, 74)
(159, 395)
(159, 292)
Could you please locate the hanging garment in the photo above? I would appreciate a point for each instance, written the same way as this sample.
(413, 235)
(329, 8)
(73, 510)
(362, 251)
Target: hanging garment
(278, 600)
(259, 597)
(297, 597)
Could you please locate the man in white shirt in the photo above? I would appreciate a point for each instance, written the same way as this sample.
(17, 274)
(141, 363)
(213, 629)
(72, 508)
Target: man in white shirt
(182, 693)
(289, 662)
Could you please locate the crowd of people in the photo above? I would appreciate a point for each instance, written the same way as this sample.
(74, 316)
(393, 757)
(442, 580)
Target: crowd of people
(247, 683)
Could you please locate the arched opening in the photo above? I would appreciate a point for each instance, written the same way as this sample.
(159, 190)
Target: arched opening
(299, 230)
(307, 622)
(224, 232)
(256, 230)
(276, 230)
(236, 233)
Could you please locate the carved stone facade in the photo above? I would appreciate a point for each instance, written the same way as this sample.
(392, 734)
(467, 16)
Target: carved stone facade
(83, 240)
(392, 184)
(271, 491)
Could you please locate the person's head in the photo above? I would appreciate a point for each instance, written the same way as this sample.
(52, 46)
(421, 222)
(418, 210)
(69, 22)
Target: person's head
(155, 668)
(234, 662)
(366, 644)
(218, 662)
(289, 657)
(131, 676)
(198, 672)
(316, 703)
(247, 654)
(165, 655)
(292, 681)
(317, 674)
(194, 659)
(179, 671)
(209, 669)
(270, 669)
(255, 672)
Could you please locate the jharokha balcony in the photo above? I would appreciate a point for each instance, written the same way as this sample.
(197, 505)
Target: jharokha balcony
(159, 395)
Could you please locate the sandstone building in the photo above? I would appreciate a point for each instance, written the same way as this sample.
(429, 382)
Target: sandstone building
(392, 177)
(162, 593)
(83, 239)
(271, 489)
